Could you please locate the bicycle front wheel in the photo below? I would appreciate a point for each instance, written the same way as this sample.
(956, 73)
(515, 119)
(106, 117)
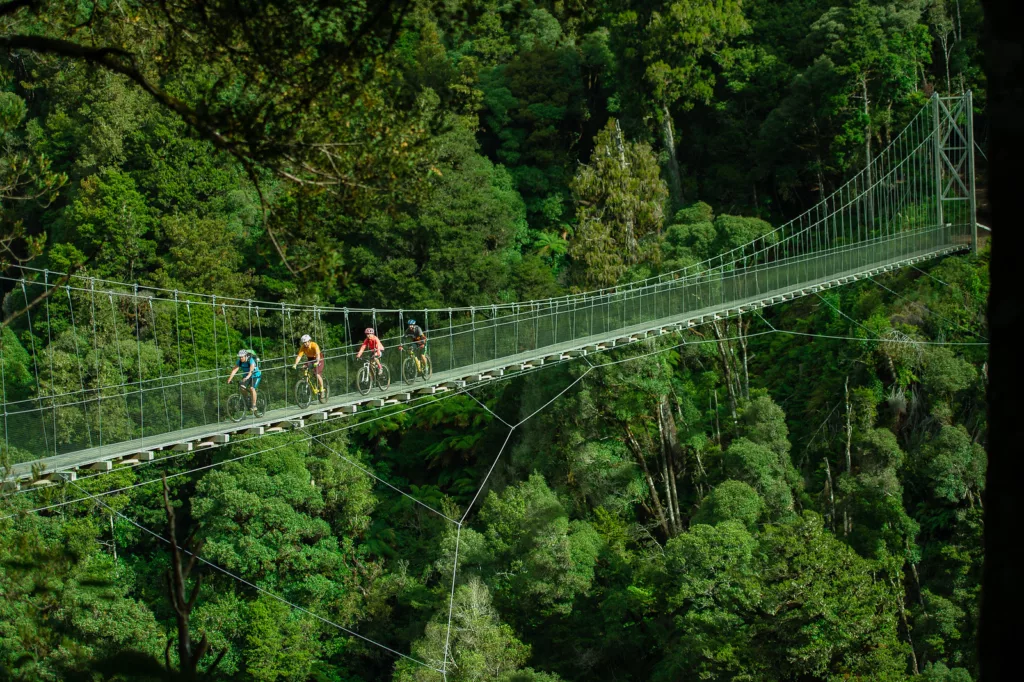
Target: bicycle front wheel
(236, 407)
(408, 370)
(364, 382)
(384, 378)
(302, 393)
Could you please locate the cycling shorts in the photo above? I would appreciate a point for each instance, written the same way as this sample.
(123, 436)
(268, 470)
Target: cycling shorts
(251, 382)
(317, 367)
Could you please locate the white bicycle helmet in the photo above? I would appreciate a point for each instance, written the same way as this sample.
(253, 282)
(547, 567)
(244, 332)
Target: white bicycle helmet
(243, 353)
(306, 338)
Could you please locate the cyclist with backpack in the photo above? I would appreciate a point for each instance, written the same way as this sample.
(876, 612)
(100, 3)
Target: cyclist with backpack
(248, 363)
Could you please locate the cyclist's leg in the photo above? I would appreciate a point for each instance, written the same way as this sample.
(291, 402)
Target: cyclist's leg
(320, 373)
(252, 387)
(246, 388)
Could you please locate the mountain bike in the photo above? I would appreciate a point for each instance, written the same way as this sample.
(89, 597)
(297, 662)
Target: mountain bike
(369, 375)
(307, 387)
(410, 370)
(240, 404)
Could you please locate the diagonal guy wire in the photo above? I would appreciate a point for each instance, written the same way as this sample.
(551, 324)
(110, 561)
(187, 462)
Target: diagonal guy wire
(378, 478)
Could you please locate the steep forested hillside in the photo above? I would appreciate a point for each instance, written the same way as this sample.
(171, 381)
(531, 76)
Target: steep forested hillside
(797, 496)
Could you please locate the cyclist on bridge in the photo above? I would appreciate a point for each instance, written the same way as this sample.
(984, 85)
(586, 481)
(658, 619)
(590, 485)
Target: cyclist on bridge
(314, 361)
(415, 335)
(374, 344)
(248, 363)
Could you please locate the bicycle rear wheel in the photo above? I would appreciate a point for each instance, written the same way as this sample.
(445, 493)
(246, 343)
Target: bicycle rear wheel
(428, 369)
(326, 393)
(236, 407)
(364, 382)
(302, 393)
(261, 405)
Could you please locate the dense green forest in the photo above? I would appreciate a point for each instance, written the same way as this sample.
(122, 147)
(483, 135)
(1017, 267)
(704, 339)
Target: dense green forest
(751, 505)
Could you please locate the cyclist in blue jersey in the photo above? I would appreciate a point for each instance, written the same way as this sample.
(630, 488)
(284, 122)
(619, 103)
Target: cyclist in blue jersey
(248, 363)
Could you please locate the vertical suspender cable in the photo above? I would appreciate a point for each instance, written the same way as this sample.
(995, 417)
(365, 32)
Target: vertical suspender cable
(284, 352)
(49, 348)
(515, 316)
(348, 352)
(81, 374)
(35, 365)
(970, 170)
(938, 169)
(138, 353)
(181, 388)
(117, 349)
(195, 357)
(96, 351)
(160, 363)
(216, 355)
(263, 353)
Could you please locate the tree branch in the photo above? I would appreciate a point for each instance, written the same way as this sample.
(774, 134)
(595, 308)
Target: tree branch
(36, 301)
(13, 6)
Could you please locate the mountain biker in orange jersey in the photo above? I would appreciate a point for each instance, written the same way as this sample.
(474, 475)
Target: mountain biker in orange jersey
(415, 334)
(374, 344)
(314, 360)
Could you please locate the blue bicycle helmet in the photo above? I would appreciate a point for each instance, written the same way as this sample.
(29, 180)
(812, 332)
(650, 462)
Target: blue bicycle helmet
(412, 322)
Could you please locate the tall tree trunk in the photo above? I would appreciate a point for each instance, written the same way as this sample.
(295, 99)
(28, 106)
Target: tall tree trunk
(673, 454)
(906, 625)
(183, 600)
(726, 368)
(664, 474)
(744, 330)
(849, 428)
(847, 518)
(831, 492)
(718, 427)
(675, 181)
(655, 498)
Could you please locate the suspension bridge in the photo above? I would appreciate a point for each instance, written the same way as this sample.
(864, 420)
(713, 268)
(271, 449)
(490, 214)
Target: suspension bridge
(102, 374)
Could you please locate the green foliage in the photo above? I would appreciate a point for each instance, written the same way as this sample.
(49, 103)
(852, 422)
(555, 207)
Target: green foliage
(548, 559)
(619, 204)
(731, 501)
(761, 468)
(482, 647)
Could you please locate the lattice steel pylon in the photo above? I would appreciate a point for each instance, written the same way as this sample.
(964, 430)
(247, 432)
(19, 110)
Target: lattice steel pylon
(101, 371)
(954, 146)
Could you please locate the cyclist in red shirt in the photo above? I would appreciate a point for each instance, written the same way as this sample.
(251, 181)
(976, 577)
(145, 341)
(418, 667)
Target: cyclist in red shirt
(372, 343)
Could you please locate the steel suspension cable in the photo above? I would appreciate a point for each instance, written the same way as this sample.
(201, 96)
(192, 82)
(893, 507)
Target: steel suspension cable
(78, 356)
(35, 362)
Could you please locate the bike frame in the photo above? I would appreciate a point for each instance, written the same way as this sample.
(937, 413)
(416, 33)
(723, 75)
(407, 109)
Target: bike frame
(308, 376)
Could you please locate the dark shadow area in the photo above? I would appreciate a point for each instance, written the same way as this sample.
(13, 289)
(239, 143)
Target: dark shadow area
(1001, 590)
